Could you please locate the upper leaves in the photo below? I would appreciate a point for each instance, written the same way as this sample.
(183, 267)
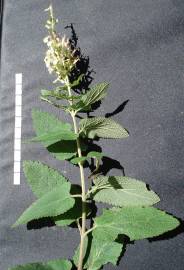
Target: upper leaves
(123, 191)
(45, 123)
(135, 222)
(50, 265)
(101, 127)
(95, 94)
(51, 204)
(55, 136)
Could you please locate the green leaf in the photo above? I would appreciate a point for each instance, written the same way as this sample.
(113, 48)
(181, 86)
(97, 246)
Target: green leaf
(63, 150)
(60, 265)
(44, 122)
(93, 95)
(123, 191)
(135, 222)
(55, 136)
(94, 154)
(72, 214)
(51, 204)
(77, 81)
(102, 253)
(50, 265)
(101, 127)
(41, 177)
(96, 253)
(55, 94)
(78, 160)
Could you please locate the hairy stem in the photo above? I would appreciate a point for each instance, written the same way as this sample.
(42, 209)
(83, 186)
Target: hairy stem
(83, 227)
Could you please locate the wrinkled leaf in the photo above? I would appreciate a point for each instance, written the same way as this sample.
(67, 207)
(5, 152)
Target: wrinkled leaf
(93, 95)
(41, 177)
(101, 127)
(51, 204)
(55, 136)
(50, 265)
(102, 253)
(44, 123)
(135, 222)
(123, 191)
(97, 254)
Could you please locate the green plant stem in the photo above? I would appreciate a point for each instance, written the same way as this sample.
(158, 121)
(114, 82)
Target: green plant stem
(83, 226)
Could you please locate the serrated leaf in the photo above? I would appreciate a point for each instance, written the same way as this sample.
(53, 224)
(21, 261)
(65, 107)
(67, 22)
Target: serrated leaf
(102, 253)
(101, 127)
(41, 177)
(96, 93)
(123, 191)
(51, 204)
(45, 122)
(93, 95)
(135, 222)
(50, 265)
(55, 136)
(97, 254)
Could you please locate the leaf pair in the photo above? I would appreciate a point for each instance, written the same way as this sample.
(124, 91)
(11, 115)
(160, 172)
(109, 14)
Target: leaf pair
(59, 138)
(134, 222)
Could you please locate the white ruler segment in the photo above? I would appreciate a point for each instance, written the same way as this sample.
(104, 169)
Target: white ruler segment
(17, 130)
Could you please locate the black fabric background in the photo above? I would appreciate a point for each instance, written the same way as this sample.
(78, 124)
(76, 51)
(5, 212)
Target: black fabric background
(138, 46)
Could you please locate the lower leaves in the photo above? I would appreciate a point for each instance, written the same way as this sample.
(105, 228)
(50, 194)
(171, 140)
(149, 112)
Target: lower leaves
(51, 204)
(97, 254)
(50, 265)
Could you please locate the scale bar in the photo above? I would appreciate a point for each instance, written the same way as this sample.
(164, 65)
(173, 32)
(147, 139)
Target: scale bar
(17, 130)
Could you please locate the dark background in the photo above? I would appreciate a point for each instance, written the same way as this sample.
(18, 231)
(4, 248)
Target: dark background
(137, 46)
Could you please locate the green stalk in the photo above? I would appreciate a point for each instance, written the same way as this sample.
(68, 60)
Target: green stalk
(83, 228)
